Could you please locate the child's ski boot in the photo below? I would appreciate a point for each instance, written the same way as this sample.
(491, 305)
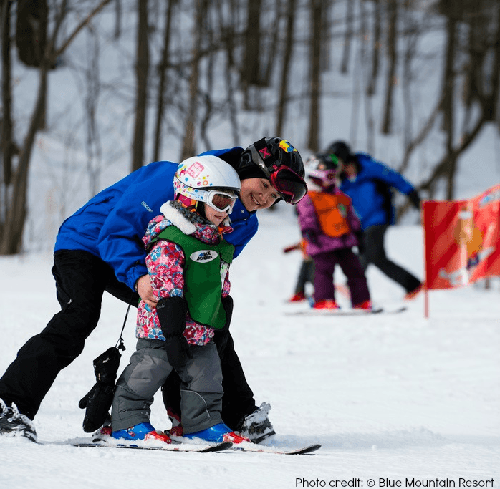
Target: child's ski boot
(326, 304)
(142, 431)
(218, 433)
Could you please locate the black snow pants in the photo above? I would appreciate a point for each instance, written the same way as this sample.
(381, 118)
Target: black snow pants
(81, 279)
(374, 252)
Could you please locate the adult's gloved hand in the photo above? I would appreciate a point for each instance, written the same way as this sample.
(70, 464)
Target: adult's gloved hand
(310, 236)
(222, 335)
(97, 402)
(414, 198)
(172, 316)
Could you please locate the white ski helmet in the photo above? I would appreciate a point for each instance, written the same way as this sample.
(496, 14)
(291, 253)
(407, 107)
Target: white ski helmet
(207, 179)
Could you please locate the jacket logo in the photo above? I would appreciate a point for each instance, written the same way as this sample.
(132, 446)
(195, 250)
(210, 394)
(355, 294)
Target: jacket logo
(146, 206)
(204, 256)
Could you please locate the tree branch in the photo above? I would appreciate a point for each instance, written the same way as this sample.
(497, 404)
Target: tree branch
(79, 27)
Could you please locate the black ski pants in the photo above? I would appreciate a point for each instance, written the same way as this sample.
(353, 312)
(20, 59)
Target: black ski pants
(81, 279)
(306, 274)
(374, 252)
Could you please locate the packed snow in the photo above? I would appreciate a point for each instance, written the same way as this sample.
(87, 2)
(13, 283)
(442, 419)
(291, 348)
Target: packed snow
(395, 400)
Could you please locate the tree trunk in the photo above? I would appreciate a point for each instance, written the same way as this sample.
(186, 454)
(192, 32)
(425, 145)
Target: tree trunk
(207, 32)
(316, 11)
(285, 69)
(251, 59)
(188, 143)
(162, 73)
(118, 18)
(349, 21)
(391, 70)
(141, 93)
(228, 29)
(271, 48)
(6, 143)
(11, 239)
(376, 44)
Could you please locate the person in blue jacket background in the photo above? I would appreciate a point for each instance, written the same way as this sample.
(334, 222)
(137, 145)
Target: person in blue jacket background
(99, 249)
(370, 186)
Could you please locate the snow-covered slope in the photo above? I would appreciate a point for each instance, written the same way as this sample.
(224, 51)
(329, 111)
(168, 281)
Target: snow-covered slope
(388, 396)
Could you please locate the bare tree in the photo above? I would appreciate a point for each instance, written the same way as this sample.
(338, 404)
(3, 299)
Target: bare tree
(162, 74)
(141, 94)
(93, 86)
(7, 144)
(250, 73)
(391, 69)
(349, 32)
(13, 206)
(118, 18)
(316, 12)
(485, 103)
(376, 44)
(228, 30)
(188, 141)
(286, 65)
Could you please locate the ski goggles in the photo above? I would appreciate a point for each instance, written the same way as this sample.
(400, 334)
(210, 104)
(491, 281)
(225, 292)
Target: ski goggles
(220, 201)
(290, 185)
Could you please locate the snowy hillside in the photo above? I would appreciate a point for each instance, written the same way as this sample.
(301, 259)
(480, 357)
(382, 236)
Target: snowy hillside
(388, 396)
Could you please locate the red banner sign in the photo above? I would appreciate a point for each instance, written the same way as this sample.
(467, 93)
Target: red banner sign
(462, 240)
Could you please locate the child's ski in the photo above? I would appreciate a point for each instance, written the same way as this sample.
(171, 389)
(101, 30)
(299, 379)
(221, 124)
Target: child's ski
(173, 447)
(252, 447)
(345, 312)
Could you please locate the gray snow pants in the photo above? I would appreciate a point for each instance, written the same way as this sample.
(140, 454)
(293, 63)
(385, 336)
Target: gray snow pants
(201, 388)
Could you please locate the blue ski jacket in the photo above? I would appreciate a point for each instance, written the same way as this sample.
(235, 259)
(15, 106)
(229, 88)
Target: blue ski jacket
(371, 191)
(111, 225)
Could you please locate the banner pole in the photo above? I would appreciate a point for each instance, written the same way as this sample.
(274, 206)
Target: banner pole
(426, 291)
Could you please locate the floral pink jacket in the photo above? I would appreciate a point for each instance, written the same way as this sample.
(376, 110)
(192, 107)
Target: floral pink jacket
(165, 262)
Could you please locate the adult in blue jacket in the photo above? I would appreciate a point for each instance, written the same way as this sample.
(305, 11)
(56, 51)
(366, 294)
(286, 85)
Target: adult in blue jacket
(370, 186)
(99, 248)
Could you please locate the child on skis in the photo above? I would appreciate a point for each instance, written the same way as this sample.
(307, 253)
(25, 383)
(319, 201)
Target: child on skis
(188, 262)
(331, 228)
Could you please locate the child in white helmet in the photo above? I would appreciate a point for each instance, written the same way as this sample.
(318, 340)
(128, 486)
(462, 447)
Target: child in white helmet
(188, 261)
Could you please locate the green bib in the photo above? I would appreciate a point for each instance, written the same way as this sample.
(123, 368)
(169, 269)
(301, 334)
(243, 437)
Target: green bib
(202, 275)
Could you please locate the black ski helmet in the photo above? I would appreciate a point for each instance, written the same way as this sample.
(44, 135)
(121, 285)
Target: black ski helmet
(276, 152)
(278, 161)
(340, 149)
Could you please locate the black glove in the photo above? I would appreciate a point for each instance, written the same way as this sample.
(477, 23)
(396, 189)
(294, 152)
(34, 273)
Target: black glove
(311, 236)
(222, 335)
(97, 403)
(98, 400)
(172, 315)
(361, 243)
(414, 198)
